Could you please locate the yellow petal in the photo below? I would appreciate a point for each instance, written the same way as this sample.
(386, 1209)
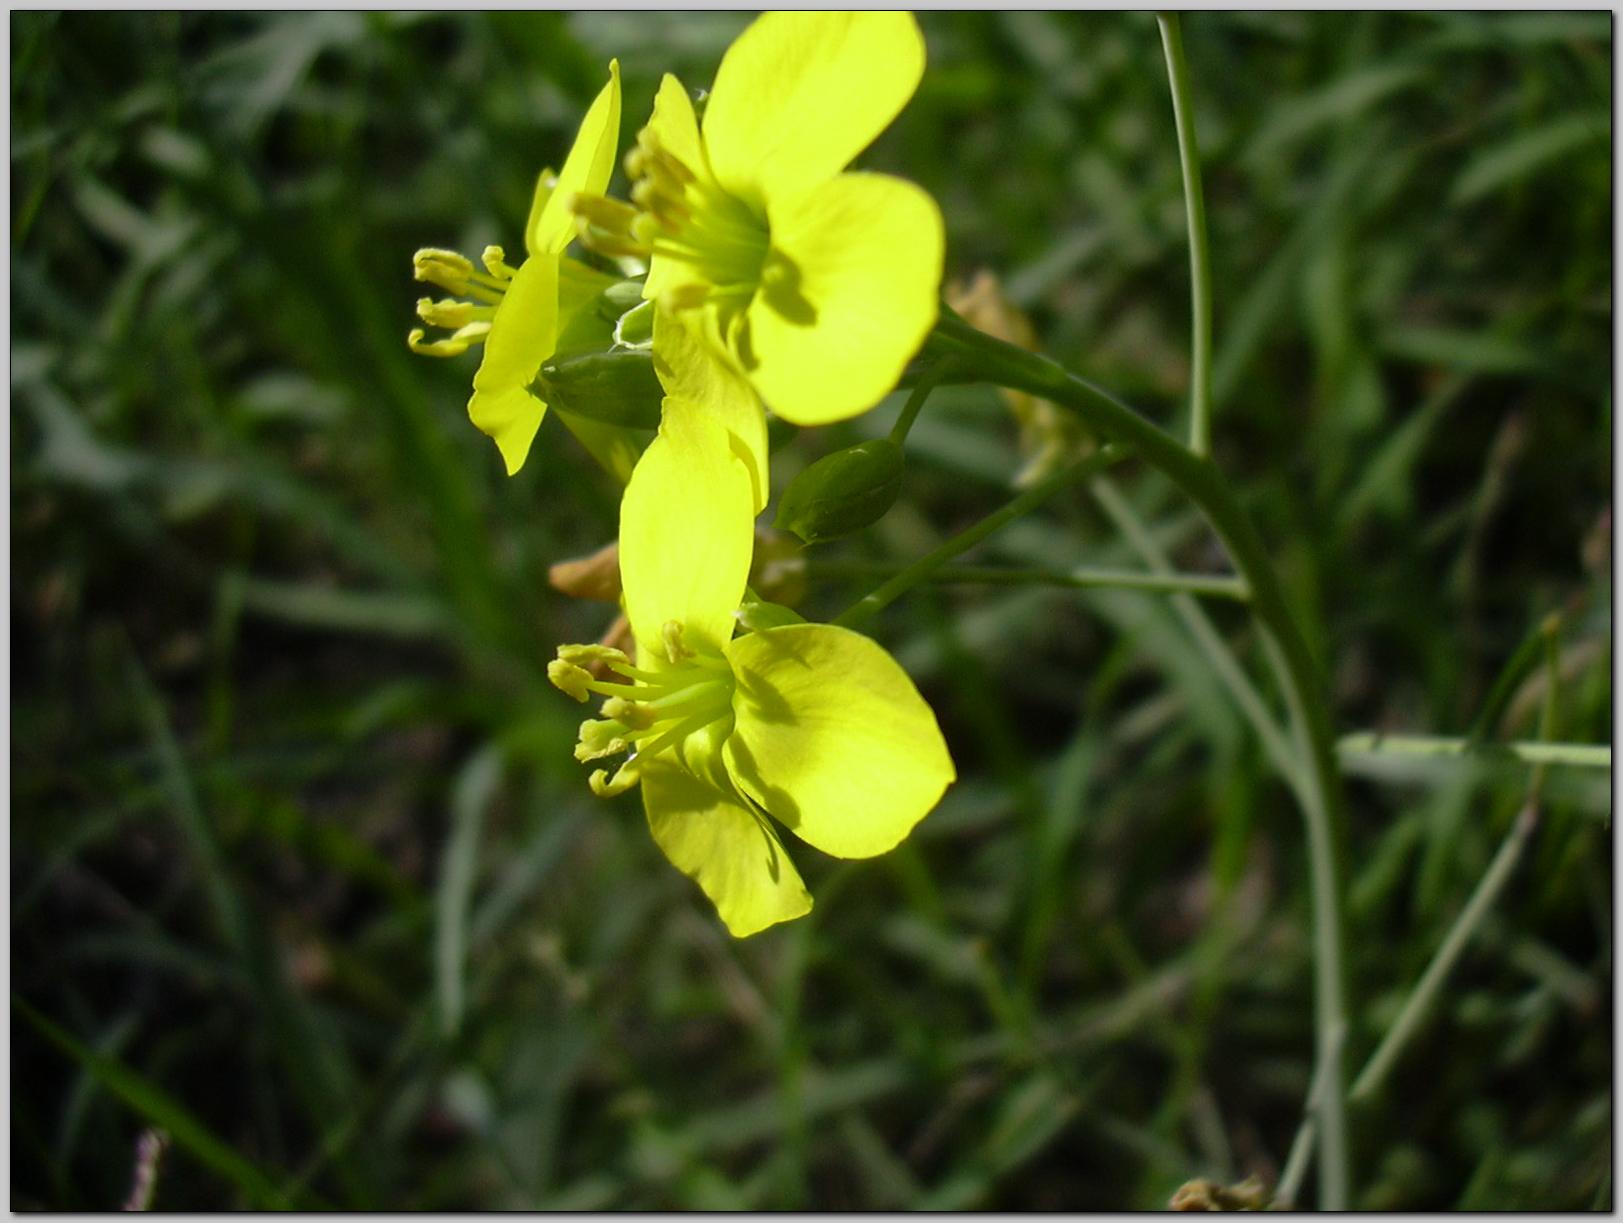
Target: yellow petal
(687, 533)
(544, 184)
(799, 94)
(522, 335)
(848, 295)
(586, 169)
(673, 128)
(695, 373)
(725, 848)
(831, 737)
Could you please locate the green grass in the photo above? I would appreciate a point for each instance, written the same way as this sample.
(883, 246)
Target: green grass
(302, 868)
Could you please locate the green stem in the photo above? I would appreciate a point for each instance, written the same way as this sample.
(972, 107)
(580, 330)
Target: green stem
(926, 566)
(1196, 476)
(915, 402)
(1428, 989)
(1206, 585)
(1576, 755)
(1200, 267)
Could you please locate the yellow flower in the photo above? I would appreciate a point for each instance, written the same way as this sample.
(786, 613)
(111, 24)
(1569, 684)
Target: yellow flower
(518, 313)
(819, 285)
(814, 724)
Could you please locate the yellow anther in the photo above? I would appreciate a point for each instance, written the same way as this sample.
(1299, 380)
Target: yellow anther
(581, 655)
(447, 312)
(605, 787)
(599, 739)
(632, 715)
(569, 679)
(664, 206)
(609, 245)
(452, 345)
(495, 260)
(447, 269)
(674, 167)
(675, 650)
(649, 229)
(600, 210)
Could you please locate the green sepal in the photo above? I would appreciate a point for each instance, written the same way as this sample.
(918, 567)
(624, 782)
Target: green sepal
(758, 614)
(616, 388)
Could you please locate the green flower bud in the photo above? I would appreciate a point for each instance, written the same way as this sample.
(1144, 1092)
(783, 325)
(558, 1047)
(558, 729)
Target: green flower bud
(614, 388)
(842, 492)
(619, 298)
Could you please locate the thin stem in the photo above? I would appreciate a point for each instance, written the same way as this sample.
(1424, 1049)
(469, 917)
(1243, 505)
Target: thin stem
(1205, 585)
(1325, 1106)
(1200, 266)
(1427, 989)
(915, 402)
(926, 566)
(1417, 1008)
(1576, 755)
(1301, 1152)
(1195, 475)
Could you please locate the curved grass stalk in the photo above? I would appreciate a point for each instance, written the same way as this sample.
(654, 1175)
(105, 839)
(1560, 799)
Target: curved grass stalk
(1319, 789)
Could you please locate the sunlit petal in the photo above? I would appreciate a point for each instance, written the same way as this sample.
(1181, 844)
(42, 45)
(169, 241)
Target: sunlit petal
(833, 739)
(799, 94)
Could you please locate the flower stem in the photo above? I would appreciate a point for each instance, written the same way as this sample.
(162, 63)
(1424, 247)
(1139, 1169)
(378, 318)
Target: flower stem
(1207, 585)
(1200, 268)
(1427, 990)
(1195, 475)
(926, 566)
(915, 402)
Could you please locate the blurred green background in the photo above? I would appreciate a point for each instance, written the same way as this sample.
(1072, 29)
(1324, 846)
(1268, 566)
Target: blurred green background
(303, 871)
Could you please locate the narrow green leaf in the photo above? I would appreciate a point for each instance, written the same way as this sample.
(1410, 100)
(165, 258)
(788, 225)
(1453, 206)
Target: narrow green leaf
(1516, 158)
(162, 1110)
(475, 787)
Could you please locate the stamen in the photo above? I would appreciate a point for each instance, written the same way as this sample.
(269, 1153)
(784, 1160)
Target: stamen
(452, 314)
(583, 654)
(447, 269)
(676, 734)
(569, 679)
(684, 695)
(652, 712)
(609, 245)
(600, 738)
(495, 260)
(671, 634)
(452, 346)
(613, 215)
(605, 787)
(633, 715)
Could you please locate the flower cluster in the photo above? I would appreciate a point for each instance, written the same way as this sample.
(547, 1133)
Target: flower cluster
(764, 275)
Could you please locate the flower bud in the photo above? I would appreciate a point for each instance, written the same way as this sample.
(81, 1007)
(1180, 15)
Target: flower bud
(842, 492)
(615, 387)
